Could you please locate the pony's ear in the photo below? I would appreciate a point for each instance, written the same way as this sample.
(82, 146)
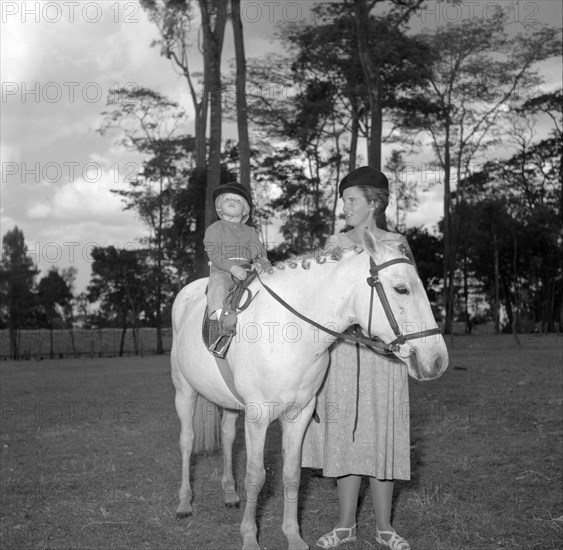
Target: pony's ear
(373, 248)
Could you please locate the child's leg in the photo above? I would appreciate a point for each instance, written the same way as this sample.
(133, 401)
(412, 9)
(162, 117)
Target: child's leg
(217, 289)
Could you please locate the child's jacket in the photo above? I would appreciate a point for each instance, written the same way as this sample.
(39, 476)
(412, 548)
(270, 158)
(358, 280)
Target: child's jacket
(231, 243)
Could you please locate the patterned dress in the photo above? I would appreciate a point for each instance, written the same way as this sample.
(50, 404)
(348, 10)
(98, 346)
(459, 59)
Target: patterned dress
(375, 441)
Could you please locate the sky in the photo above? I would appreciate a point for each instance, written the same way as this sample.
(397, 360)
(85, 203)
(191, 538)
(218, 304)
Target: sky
(60, 60)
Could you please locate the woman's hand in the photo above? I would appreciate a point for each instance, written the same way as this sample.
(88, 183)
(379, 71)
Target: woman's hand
(238, 272)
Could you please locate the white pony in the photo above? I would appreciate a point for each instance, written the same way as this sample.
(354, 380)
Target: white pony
(278, 360)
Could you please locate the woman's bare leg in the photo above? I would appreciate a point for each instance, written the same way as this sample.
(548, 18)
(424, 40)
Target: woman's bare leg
(382, 496)
(348, 492)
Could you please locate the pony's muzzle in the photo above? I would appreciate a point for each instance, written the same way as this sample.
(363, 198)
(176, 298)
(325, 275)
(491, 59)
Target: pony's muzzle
(427, 370)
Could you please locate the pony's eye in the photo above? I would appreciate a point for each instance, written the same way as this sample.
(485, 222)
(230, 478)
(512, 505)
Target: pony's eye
(401, 289)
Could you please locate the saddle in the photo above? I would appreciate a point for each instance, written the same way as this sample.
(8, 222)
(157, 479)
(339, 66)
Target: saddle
(218, 334)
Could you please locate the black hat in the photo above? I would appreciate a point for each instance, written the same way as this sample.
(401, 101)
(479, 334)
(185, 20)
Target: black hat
(365, 175)
(233, 187)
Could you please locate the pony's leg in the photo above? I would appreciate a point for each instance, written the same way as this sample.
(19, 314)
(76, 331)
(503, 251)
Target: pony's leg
(255, 435)
(228, 482)
(294, 424)
(185, 408)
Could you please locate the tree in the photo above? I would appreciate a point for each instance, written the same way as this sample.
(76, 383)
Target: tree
(121, 283)
(303, 203)
(149, 123)
(17, 280)
(332, 99)
(213, 19)
(517, 202)
(242, 109)
(550, 104)
(66, 311)
(406, 198)
(462, 107)
(174, 18)
(428, 255)
(54, 296)
(371, 64)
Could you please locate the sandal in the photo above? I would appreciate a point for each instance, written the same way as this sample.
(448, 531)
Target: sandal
(332, 540)
(395, 542)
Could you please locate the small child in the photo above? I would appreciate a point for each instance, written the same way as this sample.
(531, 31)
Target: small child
(230, 244)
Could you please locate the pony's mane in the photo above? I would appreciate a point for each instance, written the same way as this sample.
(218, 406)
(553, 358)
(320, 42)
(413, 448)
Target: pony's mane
(317, 255)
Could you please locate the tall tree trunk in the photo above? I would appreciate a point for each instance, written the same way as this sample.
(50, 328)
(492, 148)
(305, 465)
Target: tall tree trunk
(338, 164)
(508, 302)
(354, 139)
(497, 294)
(71, 335)
(448, 282)
(14, 339)
(198, 179)
(373, 83)
(213, 16)
(201, 109)
(466, 293)
(122, 341)
(242, 110)
(159, 346)
(515, 321)
(51, 347)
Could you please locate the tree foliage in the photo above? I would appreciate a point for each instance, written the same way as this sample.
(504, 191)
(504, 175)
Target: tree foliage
(463, 105)
(121, 284)
(17, 285)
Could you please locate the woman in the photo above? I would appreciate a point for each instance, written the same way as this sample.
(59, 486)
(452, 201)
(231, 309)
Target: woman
(363, 429)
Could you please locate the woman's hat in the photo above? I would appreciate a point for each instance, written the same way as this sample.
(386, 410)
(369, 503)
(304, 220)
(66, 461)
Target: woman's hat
(233, 187)
(365, 175)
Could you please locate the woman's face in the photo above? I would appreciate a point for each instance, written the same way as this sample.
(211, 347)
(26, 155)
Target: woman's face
(356, 207)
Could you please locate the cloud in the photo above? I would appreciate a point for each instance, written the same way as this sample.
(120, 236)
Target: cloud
(430, 209)
(38, 211)
(82, 200)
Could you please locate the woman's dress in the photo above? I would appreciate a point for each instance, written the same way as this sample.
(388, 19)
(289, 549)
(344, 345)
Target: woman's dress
(375, 439)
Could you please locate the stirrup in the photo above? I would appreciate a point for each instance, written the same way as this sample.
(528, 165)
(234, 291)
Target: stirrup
(220, 345)
(332, 540)
(396, 542)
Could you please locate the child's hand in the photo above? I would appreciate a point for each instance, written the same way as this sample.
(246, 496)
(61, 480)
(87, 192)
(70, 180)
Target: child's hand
(262, 264)
(238, 272)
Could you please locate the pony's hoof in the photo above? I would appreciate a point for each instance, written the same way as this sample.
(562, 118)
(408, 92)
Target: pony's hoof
(183, 515)
(232, 504)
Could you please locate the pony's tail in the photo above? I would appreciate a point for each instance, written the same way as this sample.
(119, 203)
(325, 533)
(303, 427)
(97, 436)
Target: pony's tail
(207, 426)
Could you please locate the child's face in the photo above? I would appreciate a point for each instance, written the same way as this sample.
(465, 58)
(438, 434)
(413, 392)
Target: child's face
(232, 205)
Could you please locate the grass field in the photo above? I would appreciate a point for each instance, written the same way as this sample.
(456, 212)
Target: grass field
(102, 342)
(90, 459)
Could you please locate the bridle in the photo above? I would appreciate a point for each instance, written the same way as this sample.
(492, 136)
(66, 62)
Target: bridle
(375, 283)
(374, 344)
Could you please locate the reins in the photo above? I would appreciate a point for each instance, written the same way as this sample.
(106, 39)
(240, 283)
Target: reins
(375, 283)
(374, 345)
(343, 336)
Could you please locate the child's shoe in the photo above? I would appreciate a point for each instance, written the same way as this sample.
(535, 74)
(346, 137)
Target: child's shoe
(228, 323)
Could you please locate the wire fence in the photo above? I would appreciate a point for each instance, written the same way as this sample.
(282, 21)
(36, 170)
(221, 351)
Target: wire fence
(76, 342)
